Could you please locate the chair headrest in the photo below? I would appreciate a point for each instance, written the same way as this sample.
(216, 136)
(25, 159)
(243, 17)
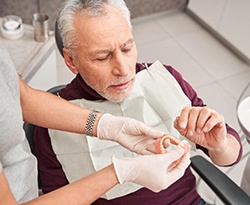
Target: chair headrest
(58, 39)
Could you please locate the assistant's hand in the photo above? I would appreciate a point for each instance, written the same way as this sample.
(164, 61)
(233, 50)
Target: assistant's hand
(130, 133)
(154, 172)
(202, 126)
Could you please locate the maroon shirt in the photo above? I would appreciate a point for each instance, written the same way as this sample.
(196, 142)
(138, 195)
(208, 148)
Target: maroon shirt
(52, 176)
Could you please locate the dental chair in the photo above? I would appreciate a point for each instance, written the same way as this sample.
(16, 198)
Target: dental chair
(227, 190)
(243, 115)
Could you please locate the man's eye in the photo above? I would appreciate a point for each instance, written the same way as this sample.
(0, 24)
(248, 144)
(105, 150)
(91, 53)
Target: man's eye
(126, 50)
(102, 59)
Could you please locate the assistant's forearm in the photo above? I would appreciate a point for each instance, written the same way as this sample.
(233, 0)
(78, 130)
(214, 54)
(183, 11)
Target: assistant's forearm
(47, 110)
(84, 191)
(228, 155)
(6, 196)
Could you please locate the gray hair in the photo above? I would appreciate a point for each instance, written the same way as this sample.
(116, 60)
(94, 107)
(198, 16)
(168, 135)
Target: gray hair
(87, 7)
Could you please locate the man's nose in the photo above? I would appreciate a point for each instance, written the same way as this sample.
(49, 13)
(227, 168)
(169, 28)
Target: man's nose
(120, 65)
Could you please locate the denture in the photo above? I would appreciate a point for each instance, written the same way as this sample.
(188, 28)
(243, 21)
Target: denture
(164, 142)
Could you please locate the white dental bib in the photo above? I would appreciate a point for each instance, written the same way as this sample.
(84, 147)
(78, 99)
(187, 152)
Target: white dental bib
(156, 99)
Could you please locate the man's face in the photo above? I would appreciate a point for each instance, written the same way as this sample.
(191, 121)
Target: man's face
(106, 54)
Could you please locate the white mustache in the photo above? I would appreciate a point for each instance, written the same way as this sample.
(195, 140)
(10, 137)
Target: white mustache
(122, 80)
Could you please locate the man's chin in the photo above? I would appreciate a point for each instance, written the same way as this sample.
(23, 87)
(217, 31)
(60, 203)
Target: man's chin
(116, 99)
(119, 97)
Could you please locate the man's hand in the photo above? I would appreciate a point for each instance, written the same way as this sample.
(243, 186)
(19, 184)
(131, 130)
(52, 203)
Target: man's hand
(207, 128)
(130, 133)
(154, 172)
(202, 126)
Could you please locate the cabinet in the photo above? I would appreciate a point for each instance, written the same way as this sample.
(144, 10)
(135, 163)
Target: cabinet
(34, 61)
(230, 19)
(46, 76)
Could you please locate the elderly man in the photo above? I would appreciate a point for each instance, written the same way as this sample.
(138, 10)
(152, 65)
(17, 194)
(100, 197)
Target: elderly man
(99, 48)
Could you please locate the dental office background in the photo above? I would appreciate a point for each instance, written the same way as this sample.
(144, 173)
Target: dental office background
(206, 40)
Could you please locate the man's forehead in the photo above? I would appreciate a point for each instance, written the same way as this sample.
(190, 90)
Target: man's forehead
(108, 48)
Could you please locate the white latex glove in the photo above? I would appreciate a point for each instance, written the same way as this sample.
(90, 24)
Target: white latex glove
(152, 171)
(130, 133)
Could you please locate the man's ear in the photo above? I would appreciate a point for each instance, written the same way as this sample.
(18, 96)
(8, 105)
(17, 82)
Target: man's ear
(68, 59)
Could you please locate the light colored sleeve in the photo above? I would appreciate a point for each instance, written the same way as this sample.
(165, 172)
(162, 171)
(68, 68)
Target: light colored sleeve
(1, 167)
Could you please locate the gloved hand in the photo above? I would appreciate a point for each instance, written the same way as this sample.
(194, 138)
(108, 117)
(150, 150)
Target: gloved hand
(152, 171)
(130, 133)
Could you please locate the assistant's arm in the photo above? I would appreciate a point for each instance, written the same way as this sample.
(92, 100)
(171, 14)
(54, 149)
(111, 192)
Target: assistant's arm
(47, 110)
(156, 177)
(83, 191)
(6, 196)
